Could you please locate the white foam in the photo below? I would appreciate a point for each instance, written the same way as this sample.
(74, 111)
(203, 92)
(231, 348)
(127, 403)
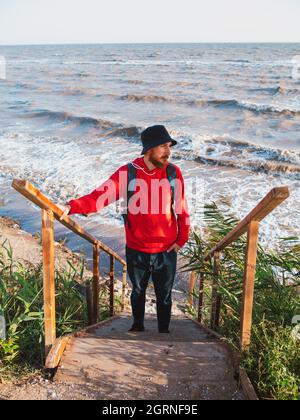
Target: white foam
(68, 169)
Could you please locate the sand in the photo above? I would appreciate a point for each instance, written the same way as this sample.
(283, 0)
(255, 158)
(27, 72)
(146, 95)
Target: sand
(27, 248)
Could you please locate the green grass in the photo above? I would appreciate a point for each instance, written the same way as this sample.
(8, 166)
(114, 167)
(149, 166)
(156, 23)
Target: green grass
(21, 304)
(273, 361)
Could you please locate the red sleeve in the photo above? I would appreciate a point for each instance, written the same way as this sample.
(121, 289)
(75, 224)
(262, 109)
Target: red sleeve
(108, 192)
(181, 209)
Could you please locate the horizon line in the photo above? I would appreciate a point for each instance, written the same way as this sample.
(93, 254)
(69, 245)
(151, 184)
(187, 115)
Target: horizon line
(150, 43)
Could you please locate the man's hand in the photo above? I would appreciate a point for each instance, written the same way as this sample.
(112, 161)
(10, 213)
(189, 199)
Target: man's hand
(65, 208)
(174, 247)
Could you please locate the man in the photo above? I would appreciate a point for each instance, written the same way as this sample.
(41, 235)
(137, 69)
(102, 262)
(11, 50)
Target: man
(154, 234)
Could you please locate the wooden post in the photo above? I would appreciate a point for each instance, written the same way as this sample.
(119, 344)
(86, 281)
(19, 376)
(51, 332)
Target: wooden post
(192, 286)
(214, 293)
(218, 310)
(124, 284)
(48, 278)
(249, 279)
(89, 304)
(201, 294)
(96, 277)
(111, 276)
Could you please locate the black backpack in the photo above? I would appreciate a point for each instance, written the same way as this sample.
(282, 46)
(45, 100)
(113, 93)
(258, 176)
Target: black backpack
(131, 180)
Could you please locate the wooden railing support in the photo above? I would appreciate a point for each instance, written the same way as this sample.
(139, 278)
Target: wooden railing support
(218, 310)
(249, 279)
(214, 294)
(112, 285)
(96, 279)
(89, 304)
(192, 287)
(201, 296)
(48, 279)
(249, 224)
(50, 211)
(124, 284)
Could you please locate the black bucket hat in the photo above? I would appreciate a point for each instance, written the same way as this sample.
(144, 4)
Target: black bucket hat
(154, 136)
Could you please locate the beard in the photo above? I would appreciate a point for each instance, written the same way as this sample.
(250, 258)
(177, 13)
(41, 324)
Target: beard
(157, 163)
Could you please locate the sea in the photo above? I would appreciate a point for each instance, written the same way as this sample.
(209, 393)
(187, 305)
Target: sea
(71, 115)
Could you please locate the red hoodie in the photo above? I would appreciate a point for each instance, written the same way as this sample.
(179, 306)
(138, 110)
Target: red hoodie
(147, 230)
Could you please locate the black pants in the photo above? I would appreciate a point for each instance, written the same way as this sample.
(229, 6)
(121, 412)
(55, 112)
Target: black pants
(162, 266)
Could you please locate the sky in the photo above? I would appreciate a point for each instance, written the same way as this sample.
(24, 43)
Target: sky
(147, 21)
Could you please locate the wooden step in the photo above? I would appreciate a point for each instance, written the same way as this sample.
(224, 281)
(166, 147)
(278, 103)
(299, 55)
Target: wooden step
(186, 364)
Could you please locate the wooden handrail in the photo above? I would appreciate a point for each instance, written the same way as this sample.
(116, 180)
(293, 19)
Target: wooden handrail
(51, 211)
(249, 225)
(37, 197)
(272, 200)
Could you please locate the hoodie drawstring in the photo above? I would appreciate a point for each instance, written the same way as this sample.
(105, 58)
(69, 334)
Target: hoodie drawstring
(139, 167)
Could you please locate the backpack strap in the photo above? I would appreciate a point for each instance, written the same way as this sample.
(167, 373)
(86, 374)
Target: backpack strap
(131, 182)
(171, 175)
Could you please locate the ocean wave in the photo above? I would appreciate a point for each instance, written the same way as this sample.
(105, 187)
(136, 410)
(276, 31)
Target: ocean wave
(109, 128)
(128, 132)
(207, 149)
(270, 90)
(20, 104)
(146, 98)
(135, 82)
(272, 168)
(81, 74)
(254, 107)
(65, 117)
(220, 103)
(229, 104)
(268, 109)
(74, 92)
(184, 83)
(223, 150)
(237, 61)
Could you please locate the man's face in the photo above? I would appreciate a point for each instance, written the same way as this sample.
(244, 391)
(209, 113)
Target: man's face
(159, 155)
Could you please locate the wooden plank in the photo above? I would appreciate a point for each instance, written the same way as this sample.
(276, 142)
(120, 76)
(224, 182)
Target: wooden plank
(236, 357)
(56, 352)
(272, 200)
(112, 285)
(214, 293)
(37, 197)
(206, 328)
(93, 327)
(247, 386)
(192, 287)
(96, 279)
(48, 279)
(249, 279)
(201, 296)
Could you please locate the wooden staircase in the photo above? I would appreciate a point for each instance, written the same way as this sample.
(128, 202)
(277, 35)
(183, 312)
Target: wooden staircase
(190, 363)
